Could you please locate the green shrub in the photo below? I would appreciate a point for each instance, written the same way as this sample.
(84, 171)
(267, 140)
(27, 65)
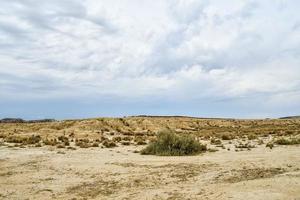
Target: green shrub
(171, 144)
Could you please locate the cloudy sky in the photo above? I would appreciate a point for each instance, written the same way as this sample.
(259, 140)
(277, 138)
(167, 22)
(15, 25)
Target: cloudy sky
(211, 58)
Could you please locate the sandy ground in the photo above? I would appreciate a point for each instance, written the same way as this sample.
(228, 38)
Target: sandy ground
(119, 173)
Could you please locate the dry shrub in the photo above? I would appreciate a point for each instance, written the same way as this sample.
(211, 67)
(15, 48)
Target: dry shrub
(71, 148)
(82, 144)
(149, 133)
(60, 146)
(128, 133)
(127, 138)
(103, 138)
(140, 133)
(117, 139)
(215, 141)
(63, 139)
(270, 145)
(109, 144)
(84, 140)
(245, 146)
(125, 143)
(290, 141)
(51, 142)
(67, 143)
(252, 137)
(212, 150)
(260, 142)
(140, 141)
(14, 139)
(38, 145)
(95, 144)
(33, 139)
(227, 136)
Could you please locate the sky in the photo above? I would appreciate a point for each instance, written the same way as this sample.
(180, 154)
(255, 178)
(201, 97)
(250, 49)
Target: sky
(92, 58)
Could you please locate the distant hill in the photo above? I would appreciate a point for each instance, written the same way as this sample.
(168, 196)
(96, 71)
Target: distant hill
(291, 117)
(177, 116)
(19, 120)
(12, 120)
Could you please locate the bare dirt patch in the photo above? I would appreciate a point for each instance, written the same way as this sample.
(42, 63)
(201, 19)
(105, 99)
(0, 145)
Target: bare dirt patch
(234, 176)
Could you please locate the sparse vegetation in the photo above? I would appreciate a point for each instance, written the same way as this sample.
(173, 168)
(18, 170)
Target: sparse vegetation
(140, 140)
(33, 139)
(245, 146)
(95, 144)
(260, 142)
(142, 130)
(82, 143)
(63, 139)
(171, 144)
(287, 141)
(60, 146)
(215, 141)
(227, 137)
(125, 143)
(117, 139)
(212, 150)
(109, 144)
(14, 139)
(51, 142)
(100, 178)
(252, 137)
(270, 145)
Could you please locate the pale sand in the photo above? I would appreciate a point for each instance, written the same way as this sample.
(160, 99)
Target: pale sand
(118, 173)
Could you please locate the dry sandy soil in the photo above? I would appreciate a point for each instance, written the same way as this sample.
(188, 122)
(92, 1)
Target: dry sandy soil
(31, 171)
(118, 173)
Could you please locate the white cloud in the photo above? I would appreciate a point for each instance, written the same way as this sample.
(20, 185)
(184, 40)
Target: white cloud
(136, 49)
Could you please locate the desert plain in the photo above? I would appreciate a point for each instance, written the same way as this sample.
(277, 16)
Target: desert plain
(100, 159)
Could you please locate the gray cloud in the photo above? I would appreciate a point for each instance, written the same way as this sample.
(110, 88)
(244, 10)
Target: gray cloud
(185, 49)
